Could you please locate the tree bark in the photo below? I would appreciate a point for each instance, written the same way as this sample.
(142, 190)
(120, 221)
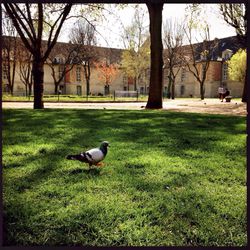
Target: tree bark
(244, 94)
(156, 47)
(38, 74)
(173, 89)
(202, 91)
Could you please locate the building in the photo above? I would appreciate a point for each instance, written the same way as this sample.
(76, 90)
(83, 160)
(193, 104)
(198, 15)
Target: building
(217, 75)
(65, 57)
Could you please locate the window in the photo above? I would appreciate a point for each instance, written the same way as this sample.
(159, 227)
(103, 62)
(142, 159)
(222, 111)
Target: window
(5, 72)
(125, 80)
(183, 75)
(79, 90)
(58, 60)
(226, 54)
(60, 71)
(141, 90)
(182, 89)
(224, 71)
(78, 74)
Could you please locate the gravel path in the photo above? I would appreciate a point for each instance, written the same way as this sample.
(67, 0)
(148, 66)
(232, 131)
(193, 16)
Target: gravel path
(212, 106)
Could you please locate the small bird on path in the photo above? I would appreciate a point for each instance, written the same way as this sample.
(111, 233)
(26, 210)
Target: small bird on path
(93, 156)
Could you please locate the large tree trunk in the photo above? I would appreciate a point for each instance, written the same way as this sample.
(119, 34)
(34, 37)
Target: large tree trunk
(38, 73)
(155, 86)
(244, 94)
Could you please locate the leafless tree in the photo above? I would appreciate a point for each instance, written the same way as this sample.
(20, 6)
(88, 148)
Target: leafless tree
(83, 36)
(136, 57)
(30, 21)
(62, 60)
(10, 50)
(197, 56)
(173, 41)
(25, 68)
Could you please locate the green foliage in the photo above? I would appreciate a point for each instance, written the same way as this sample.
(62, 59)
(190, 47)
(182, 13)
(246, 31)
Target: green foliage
(237, 66)
(134, 63)
(170, 179)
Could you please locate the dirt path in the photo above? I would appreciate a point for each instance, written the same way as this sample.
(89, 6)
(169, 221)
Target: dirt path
(212, 106)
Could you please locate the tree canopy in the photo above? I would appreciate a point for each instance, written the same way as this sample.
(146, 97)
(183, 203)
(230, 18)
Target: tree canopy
(237, 66)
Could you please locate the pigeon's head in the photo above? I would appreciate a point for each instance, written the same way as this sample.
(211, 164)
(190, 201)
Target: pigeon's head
(104, 147)
(104, 144)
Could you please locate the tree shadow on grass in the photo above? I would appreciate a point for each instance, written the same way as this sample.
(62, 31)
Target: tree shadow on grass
(171, 133)
(89, 171)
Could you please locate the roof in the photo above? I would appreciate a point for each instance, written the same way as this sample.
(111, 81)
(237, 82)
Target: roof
(63, 49)
(217, 47)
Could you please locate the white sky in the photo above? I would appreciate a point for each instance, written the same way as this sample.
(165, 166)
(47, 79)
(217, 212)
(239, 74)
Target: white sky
(110, 29)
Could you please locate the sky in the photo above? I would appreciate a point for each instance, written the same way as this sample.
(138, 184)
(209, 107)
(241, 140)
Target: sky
(109, 31)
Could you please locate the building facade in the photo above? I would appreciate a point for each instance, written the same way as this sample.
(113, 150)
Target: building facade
(74, 81)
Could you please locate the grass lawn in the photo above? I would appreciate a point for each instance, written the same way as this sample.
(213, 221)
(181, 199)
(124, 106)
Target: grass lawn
(170, 179)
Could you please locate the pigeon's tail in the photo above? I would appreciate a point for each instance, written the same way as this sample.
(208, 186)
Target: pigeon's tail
(79, 157)
(75, 157)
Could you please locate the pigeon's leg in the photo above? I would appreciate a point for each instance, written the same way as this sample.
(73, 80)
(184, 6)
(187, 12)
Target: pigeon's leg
(90, 166)
(99, 164)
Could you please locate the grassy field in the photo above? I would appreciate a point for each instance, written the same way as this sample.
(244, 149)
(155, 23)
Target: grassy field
(170, 179)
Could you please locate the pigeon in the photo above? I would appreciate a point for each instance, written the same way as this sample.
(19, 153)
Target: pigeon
(92, 156)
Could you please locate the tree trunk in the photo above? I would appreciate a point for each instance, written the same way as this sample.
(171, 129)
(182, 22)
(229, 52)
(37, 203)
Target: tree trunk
(26, 90)
(56, 88)
(38, 73)
(202, 91)
(30, 89)
(244, 94)
(169, 88)
(155, 86)
(87, 76)
(173, 89)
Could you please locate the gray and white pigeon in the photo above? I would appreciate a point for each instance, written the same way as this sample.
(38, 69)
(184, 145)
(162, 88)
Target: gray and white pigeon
(92, 156)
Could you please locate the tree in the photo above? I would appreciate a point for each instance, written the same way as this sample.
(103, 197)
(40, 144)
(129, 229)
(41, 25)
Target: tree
(173, 40)
(237, 66)
(25, 68)
(30, 22)
(156, 47)
(84, 37)
(61, 61)
(106, 73)
(9, 52)
(135, 59)
(198, 58)
(235, 15)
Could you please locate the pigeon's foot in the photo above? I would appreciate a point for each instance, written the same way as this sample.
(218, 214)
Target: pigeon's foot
(100, 164)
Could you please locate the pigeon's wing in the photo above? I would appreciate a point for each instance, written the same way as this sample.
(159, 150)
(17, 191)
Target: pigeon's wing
(94, 155)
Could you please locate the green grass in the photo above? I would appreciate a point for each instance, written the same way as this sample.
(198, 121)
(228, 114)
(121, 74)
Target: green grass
(170, 179)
